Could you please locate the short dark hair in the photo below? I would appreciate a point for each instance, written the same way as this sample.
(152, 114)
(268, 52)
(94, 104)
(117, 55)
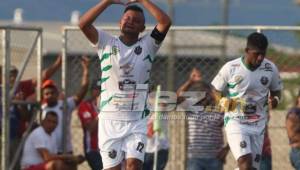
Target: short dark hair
(257, 41)
(52, 113)
(134, 8)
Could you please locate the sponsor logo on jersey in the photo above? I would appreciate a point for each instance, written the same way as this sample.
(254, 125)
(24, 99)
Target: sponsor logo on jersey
(127, 84)
(115, 50)
(267, 67)
(127, 68)
(138, 50)
(264, 80)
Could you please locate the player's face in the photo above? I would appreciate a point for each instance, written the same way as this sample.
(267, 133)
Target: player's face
(132, 22)
(50, 123)
(255, 56)
(50, 95)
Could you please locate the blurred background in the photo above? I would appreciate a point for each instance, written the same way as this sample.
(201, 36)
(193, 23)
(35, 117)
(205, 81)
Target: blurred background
(190, 43)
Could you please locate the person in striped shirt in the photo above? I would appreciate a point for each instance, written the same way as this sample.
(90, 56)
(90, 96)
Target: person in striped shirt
(205, 146)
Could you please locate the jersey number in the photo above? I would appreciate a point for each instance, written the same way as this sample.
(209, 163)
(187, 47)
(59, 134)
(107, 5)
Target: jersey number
(140, 147)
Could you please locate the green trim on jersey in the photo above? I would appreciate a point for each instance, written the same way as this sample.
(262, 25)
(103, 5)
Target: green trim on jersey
(247, 65)
(105, 56)
(232, 85)
(105, 102)
(147, 81)
(233, 94)
(102, 80)
(226, 120)
(148, 57)
(103, 90)
(106, 68)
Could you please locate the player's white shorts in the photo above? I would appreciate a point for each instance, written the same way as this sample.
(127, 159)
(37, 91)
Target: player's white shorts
(119, 140)
(243, 140)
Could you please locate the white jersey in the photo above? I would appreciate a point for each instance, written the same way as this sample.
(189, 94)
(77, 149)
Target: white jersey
(249, 88)
(125, 76)
(37, 139)
(58, 132)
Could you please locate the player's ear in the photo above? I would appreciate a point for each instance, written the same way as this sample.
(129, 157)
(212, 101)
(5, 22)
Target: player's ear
(143, 28)
(246, 49)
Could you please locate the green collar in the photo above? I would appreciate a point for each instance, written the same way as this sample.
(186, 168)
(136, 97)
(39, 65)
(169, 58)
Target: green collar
(247, 65)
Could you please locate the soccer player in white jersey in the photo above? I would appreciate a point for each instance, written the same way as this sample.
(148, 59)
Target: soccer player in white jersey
(125, 65)
(252, 82)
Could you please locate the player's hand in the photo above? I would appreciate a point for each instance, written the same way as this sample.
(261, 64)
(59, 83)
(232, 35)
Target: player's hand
(131, 2)
(273, 103)
(195, 76)
(79, 159)
(223, 153)
(121, 2)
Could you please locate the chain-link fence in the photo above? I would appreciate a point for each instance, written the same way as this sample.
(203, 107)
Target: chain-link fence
(206, 48)
(20, 49)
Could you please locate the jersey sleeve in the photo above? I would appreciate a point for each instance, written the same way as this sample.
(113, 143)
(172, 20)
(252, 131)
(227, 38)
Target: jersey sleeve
(39, 141)
(276, 83)
(84, 113)
(220, 80)
(103, 39)
(151, 45)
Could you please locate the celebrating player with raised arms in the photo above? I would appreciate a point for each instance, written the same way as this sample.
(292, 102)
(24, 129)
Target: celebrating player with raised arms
(125, 64)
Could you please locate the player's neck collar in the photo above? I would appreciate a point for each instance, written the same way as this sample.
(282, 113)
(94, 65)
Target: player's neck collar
(248, 66)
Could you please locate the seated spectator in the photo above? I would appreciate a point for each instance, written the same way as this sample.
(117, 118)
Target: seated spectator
(39, 152)
(205, 149)
(20, 114)
(51, 102)
(293, 132)
(88, 115)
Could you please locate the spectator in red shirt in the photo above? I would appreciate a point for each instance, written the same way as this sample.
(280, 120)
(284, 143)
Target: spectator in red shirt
(88, 114)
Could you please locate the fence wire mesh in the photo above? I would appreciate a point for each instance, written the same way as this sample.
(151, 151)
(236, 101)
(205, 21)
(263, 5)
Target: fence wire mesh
(206, 49)
(21, 44)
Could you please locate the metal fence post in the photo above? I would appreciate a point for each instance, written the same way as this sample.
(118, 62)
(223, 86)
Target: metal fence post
(5, 100)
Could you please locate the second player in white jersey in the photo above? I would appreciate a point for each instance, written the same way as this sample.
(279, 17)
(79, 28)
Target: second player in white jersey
(253, 86)
(249, 88)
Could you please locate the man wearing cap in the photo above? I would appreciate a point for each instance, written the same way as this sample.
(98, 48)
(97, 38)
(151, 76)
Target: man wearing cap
(88, 115)
(51, 102)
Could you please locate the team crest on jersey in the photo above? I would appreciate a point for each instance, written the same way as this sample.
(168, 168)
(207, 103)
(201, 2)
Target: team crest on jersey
(264, 80)
(238, 79)
(112, 154)
(115, 50)
(138, 50)
(243, 144)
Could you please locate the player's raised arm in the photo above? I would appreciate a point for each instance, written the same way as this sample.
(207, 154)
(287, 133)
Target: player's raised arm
(87, 19)
(163, 20)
